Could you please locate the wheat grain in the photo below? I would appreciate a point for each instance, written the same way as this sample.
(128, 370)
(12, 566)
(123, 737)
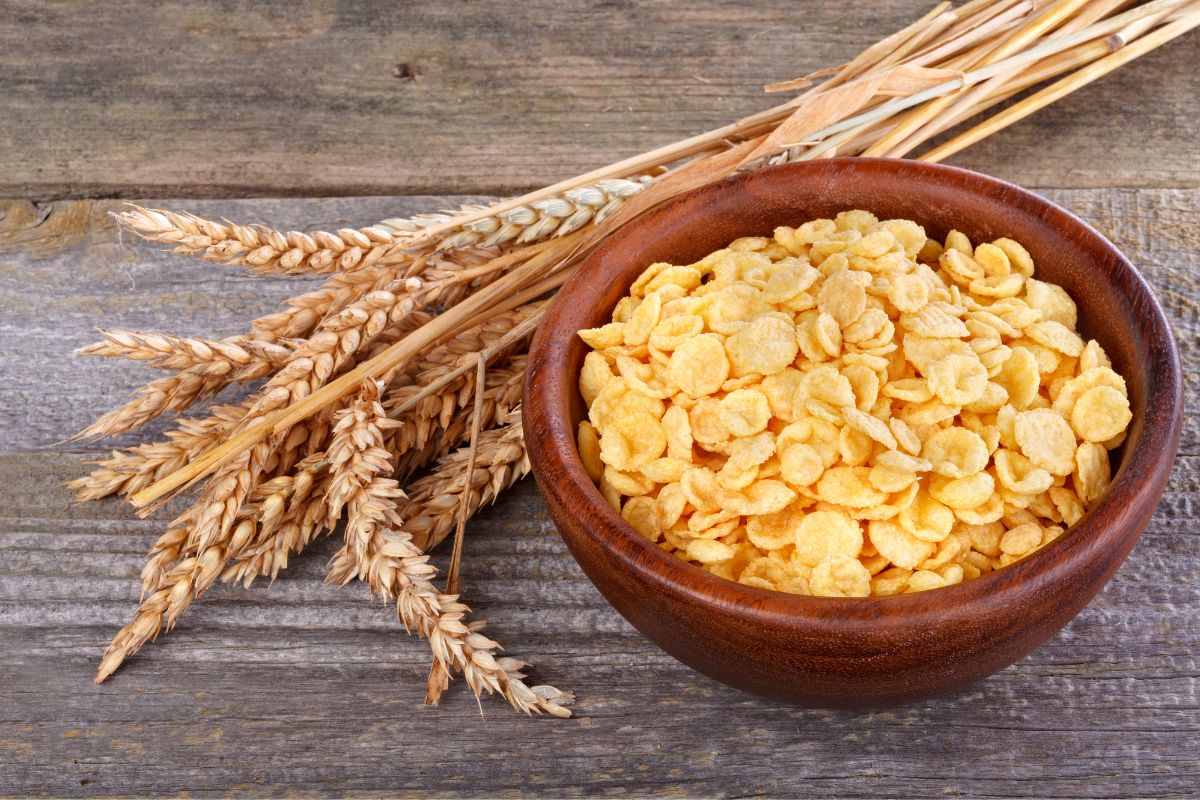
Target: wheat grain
(299, 516)
(308, 368)
(212, 518)
(439, 675)
(535, 276)
(307, 511)
(164, 554)
(333, 347)
(413, 445)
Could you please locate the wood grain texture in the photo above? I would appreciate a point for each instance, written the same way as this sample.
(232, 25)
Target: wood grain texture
(209, 98)
(301, 688)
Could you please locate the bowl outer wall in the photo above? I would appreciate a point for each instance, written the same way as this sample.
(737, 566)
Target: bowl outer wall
(876, 651)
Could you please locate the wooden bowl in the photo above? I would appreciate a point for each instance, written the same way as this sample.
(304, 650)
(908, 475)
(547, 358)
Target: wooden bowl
(867, 652)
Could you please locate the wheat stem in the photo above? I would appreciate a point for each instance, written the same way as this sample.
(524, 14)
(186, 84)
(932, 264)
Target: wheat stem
(1064, 87)
(439, 676)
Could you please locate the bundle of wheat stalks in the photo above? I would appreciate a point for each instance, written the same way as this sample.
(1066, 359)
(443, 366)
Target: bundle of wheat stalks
(392, 391)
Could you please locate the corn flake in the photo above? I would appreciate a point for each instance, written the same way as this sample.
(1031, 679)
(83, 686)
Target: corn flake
(765, 346)
(699, 365)
(822, 534)
(840, 576)
(849, 486)
(1100, 414)
(1046, 439)
(589, 450)
(956, 452)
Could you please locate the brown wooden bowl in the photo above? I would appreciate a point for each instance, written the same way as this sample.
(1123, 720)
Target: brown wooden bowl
(867, 652)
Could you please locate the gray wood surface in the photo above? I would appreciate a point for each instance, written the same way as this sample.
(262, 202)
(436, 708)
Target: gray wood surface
(203, 97)
(303, 689)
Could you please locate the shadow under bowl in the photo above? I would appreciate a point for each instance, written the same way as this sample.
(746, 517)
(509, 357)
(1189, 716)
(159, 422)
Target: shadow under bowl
(857, 652)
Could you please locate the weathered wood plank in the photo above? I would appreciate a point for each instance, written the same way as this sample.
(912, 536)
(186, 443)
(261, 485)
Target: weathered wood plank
(199, 99)
(300, 688)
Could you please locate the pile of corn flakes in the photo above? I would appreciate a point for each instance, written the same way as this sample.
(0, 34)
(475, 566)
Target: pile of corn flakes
(849, 409)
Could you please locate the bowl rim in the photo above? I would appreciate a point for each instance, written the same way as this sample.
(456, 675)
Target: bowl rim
(1095, 535)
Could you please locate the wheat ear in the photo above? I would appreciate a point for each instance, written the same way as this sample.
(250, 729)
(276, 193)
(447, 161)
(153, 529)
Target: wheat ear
(170, 584)
(264, 250)
(170, 394)
(356, 456)
(396, 570)
(434, 501)
(556, 215)
(236, 358)
(174, 592)
(139, 466)
(269, 251)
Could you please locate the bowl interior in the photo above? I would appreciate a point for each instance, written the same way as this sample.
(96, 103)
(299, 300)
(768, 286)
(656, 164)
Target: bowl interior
(1116, 307)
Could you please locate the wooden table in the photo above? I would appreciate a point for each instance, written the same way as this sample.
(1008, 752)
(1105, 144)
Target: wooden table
(300, 688)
